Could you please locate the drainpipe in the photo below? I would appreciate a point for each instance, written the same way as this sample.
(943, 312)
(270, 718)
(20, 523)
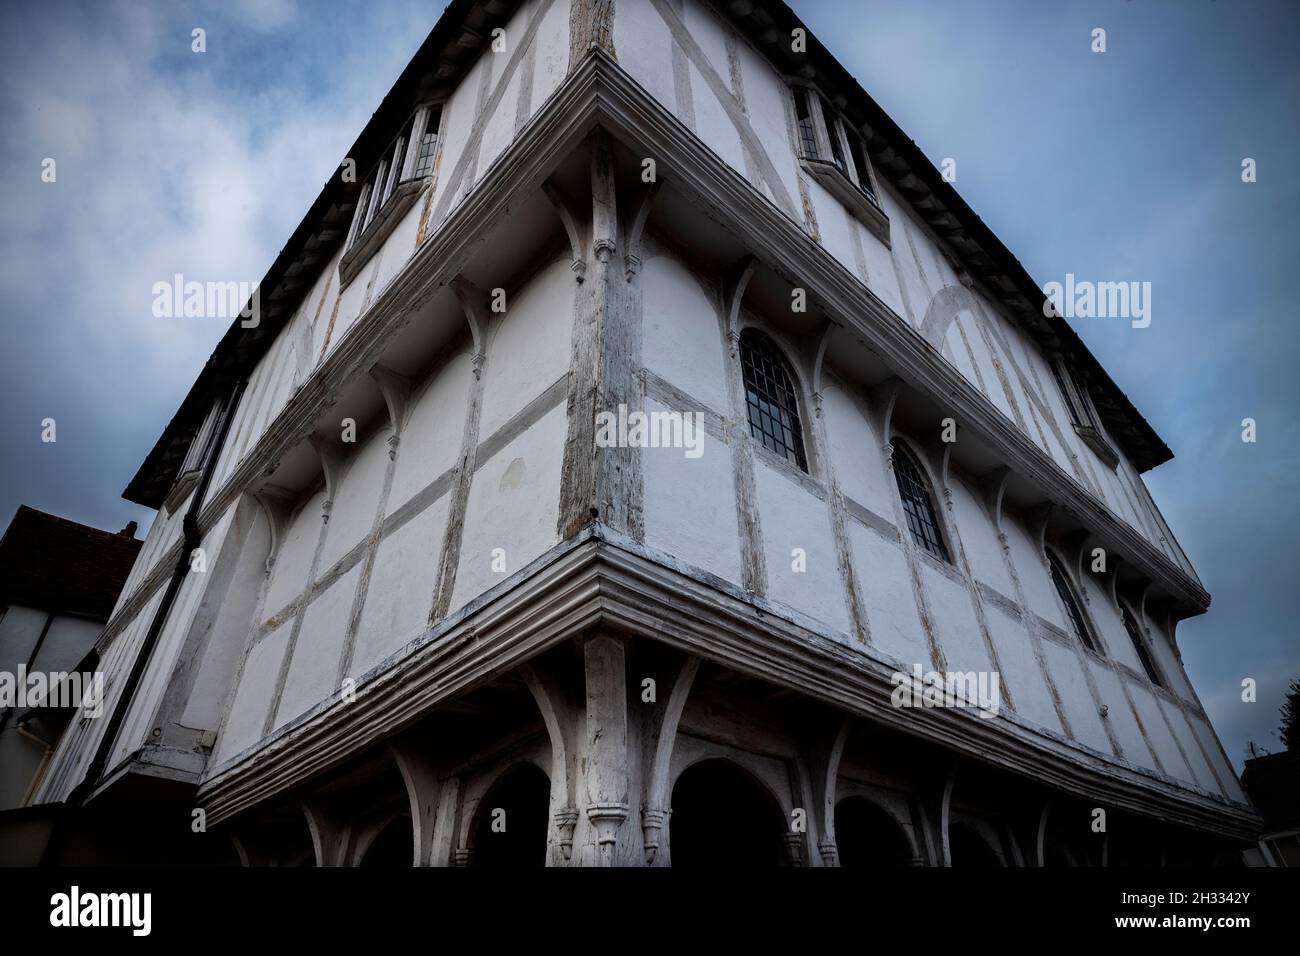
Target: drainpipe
(192, 539)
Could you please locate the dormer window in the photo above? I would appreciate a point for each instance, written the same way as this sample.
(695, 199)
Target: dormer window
(391, 188)
(832, 151)
(1083, 414)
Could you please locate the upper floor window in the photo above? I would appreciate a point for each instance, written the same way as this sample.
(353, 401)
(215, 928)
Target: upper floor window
(1083, 414)
(428, 144)
(1139, 645)
(832, 150)
(1078, 623)
(770, 398)
(391, 187)
(918, 505)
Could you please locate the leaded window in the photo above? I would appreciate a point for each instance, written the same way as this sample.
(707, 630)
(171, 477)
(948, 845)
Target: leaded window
(1139, 645)
(770, 398)
(1072, 609)
(428, 145)
(807, 132)
(918, 505)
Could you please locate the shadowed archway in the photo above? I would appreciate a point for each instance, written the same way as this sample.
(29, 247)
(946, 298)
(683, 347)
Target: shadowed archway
(722, 817)
(867, 836)
(510, 832)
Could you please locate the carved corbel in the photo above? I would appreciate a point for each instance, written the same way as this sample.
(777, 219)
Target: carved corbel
(817, 364)
(993, 487)
(884, 397)
(635, 231)
(604, 199)
(655, 815)
(734, 282)
(423, 791)
(826, 755)
(277, 505)
(396, 390)
(571, 228)
(473, 302)
(331, 837)
(560, 715)
(1039, 517)
(331, 462)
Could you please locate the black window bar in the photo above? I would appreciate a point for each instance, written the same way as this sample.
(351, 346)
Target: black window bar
(918, 505)
(770, 398)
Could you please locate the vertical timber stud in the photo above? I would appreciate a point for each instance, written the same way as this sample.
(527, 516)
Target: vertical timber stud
(619, 482)
(592, 305)
(606, 774)
(591, 24)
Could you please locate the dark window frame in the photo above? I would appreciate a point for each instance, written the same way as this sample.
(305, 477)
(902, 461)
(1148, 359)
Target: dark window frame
(915, 490)
(1068, 593)
(772, 398)
(1145, 656)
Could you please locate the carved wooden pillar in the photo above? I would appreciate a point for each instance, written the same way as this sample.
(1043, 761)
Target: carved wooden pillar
(606, 744)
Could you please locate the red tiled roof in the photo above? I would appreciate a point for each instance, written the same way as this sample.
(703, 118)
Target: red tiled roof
(59, 565)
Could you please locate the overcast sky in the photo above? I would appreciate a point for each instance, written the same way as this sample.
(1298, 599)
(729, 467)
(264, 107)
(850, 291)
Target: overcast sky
(1123, 165)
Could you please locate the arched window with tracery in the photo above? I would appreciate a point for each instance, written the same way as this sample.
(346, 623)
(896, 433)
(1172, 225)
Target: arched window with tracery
(918, 504)
(770, 398)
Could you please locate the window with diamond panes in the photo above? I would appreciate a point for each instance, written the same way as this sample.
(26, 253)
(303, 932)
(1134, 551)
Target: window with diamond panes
(770, 398)
(1072, 609)
(918, 505)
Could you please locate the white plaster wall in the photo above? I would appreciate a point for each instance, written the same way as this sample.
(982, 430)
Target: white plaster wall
(431, 438)
(711, 121)
(513, 505)
(1120, 716)
(252, 700)
(681, 340)
(528, 347)
(1019, 668)
(766, 101)
(552, 61)
(980, 539)
(313, 672)
(213, 684)
(293, 558)
(886, 585)
(793, 518)
(66, 643)
(855, 450)
(401, 587)
(644, 46)
(356, 499)
(137, 726)
(1202, 774)
(1076, 700)
(20, 627)
(690, 505)
(1158, 734)
(956, 627)
(1031, 567)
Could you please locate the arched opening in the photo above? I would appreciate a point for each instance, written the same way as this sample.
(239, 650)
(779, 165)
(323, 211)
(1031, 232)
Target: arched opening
(512, 821)
(722, 817)
(918, 504)
(770, 398)
(394, 847)
(867, 836)
(968, 849)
